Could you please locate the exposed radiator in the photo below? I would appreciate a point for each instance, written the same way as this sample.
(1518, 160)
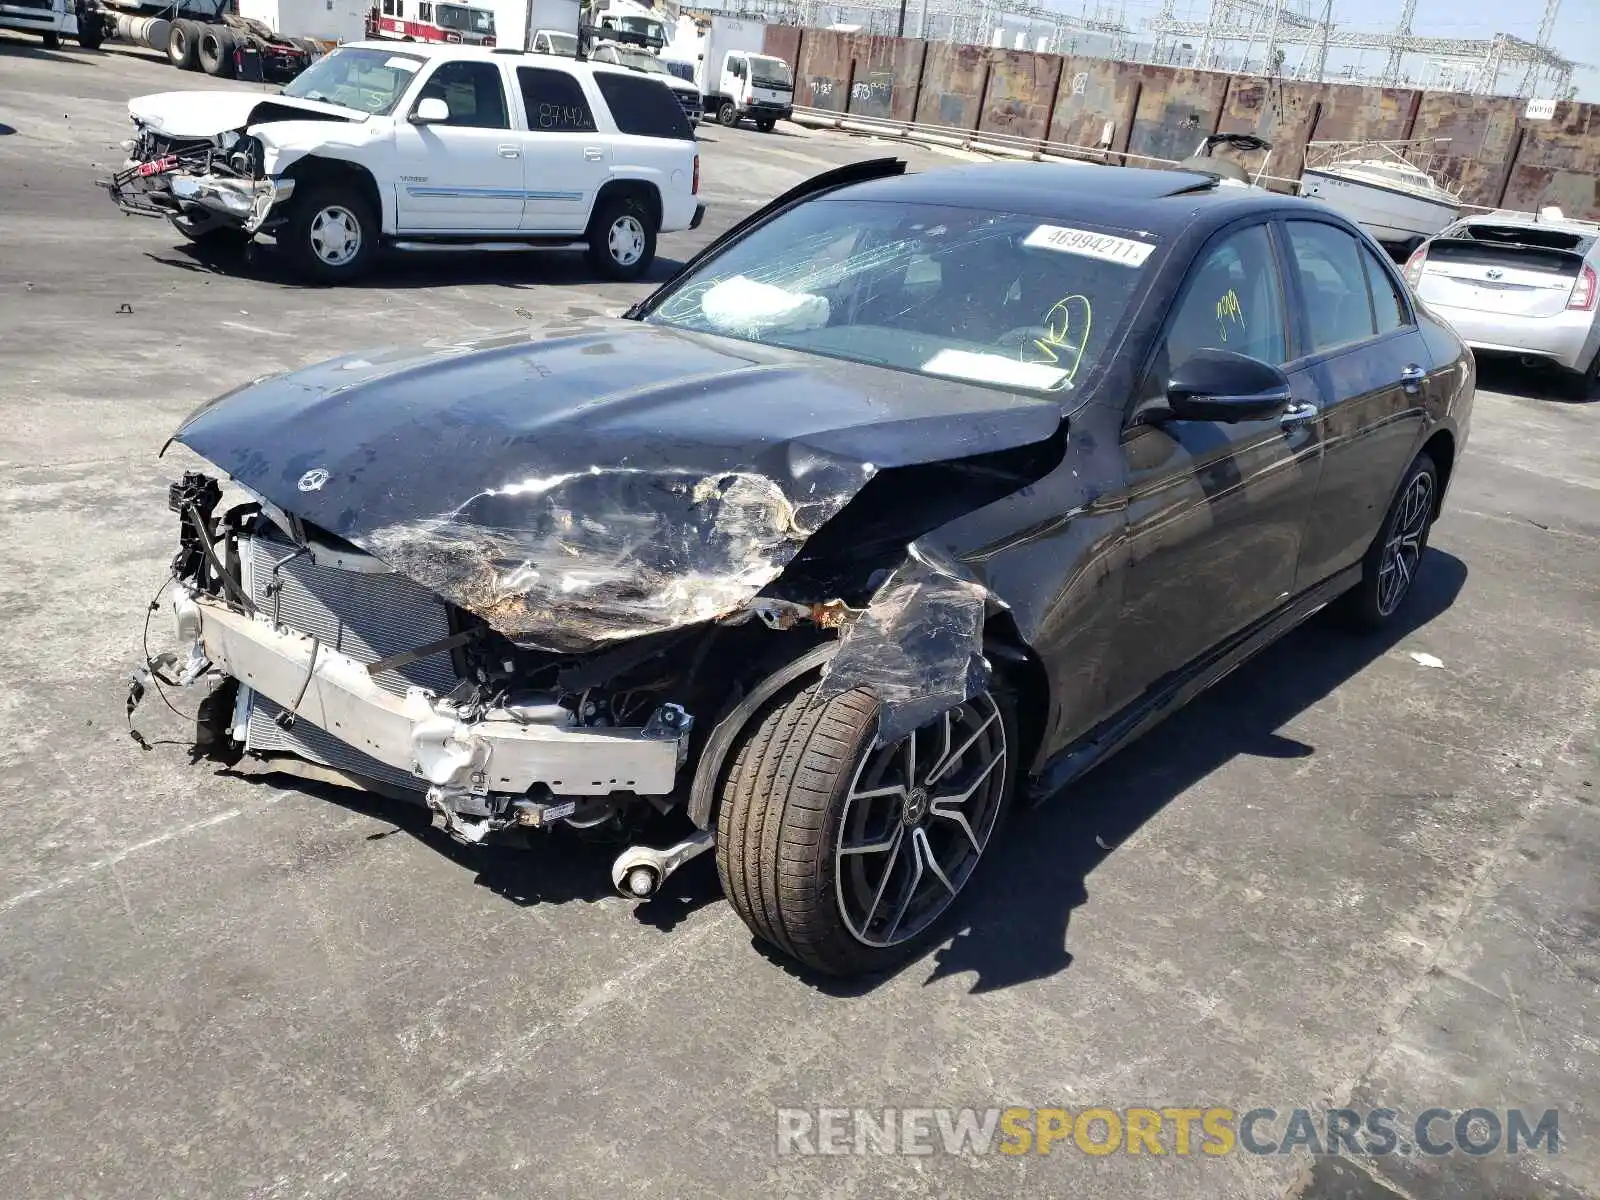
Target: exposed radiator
(367, 617)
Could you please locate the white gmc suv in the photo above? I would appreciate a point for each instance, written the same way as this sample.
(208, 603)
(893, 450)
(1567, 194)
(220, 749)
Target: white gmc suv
(422, 147)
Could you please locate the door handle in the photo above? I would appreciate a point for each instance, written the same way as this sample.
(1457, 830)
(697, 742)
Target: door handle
(510, 152)
(593, 153)
(1296, 415)
(1411, 378)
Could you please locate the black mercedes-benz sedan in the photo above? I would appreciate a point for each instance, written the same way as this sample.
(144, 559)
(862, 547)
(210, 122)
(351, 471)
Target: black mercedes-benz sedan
(911, 493)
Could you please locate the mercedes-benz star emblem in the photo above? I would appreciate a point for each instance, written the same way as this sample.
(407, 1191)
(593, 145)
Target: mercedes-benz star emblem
(313, 479)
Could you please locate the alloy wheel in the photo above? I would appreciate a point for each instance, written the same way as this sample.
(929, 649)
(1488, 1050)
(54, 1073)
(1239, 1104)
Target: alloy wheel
(626, 240)
(1402, 551)
(916, 820)
(335, 235)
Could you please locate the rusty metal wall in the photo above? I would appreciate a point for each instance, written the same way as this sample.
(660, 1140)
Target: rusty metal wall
(1176, 110)
(1558, 163)
(783, 41)
(1164, 113)
(1021, 93)
(822, 77)
(1092, 93)
(1482, 137)
(888, 72)
(953, 82)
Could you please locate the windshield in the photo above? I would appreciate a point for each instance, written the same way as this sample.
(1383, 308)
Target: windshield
(468, 20)
(640, 61)
(770, 72)
(560, 43)
(370, 81)
(994, 298)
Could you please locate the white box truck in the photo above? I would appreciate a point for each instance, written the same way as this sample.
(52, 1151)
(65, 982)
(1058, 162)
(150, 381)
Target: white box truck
(737, 80)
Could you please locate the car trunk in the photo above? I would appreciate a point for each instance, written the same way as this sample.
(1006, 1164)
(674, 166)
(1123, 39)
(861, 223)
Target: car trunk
(1496, 269)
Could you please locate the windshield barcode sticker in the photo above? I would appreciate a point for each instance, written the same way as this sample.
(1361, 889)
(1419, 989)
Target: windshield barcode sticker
(1090, 244)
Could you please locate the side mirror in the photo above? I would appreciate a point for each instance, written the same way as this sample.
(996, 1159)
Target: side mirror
(1220, 385)
(430, 111)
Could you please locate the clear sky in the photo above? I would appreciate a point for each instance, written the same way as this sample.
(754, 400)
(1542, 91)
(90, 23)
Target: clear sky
(1577, 30)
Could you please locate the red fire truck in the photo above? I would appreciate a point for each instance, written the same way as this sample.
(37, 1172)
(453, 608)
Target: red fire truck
(432, 21)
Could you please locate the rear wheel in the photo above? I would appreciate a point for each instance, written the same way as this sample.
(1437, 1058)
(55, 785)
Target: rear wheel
(1390, 567)
(765, 124)
(330, 235)
(90, 31)
(1582, 384)
(51, 39)
(216, 51)
(727, 114)
(183, 45)
(845, 854)
(622, 239)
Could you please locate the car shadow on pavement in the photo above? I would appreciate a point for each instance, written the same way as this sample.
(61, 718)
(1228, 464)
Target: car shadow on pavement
(1013, 926)
(400, 269)
(1507, 375)
(12, 48)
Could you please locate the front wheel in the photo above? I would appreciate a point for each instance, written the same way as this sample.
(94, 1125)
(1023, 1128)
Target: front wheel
(90, 32)
(330, 235)
(727, 114)
(1390, 567)
(51, 39)
(622, 239)
(846, 854)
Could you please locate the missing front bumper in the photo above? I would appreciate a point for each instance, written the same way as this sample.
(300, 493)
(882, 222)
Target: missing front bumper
(475, 763)
(161, 188)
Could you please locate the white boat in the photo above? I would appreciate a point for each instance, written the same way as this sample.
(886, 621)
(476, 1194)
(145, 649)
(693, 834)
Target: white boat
(1383, 186)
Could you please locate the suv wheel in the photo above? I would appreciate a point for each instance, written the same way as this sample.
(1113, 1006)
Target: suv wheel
(846, 854)
(330, 235)
(622, 239)
(765, 124)
(727, 114)
(1390, 567)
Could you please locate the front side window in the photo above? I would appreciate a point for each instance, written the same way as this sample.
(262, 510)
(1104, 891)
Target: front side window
(370, 81)
(473, 93)
(554, 100)
(466, 20)
(1338, 305)
(996, 298)
(1232, 300)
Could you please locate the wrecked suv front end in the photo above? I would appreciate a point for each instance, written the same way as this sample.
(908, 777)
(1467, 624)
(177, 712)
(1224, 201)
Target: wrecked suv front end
(199, 183)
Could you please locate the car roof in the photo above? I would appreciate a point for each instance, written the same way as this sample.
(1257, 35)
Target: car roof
(1144, 198)
(457, 50)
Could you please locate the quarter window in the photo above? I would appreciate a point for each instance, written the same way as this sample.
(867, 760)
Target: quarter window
(1338, 305)
(554, 100)
(1232, 300)
(1388, 305)
(644, 107)
(473, 93)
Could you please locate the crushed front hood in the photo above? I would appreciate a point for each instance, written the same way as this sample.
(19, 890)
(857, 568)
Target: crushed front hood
(577, 489)
(206, 114)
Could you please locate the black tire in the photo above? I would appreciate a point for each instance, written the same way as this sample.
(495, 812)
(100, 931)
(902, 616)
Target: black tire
(91, 33)
(787, 812)
(765, 124)
(727, 114)
(1380, 596)
(1581, 385)
(622, 238)
(216, 51)
(183, 45)
(51, 40)
(304, 235)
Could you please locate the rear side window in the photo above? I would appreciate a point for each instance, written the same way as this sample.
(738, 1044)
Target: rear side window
(1388, 305)
(554, 100)
(643, 107)
(1332, 278)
